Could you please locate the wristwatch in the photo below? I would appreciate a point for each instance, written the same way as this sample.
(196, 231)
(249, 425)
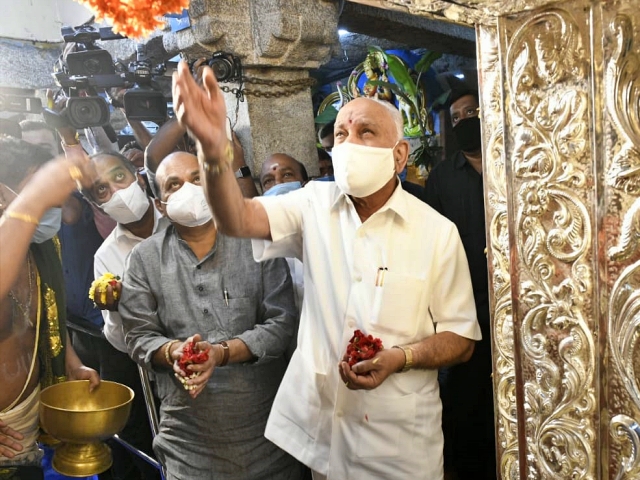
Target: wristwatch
(243, 172)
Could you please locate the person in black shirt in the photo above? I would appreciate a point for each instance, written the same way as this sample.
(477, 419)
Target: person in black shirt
(454, 188)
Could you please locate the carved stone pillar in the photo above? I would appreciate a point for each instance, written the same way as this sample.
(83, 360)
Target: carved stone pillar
(278, 42)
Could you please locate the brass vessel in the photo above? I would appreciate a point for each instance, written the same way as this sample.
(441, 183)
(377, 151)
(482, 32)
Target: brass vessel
(83, 420)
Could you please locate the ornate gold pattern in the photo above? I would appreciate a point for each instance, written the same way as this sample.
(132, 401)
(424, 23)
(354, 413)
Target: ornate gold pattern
(548, 150)
(624, 327)
(622, 96)
(58, 245)
(624, 428)
(498, 252)
(55, 342)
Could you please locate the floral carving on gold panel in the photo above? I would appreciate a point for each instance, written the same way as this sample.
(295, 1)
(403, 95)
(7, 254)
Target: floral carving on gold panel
(622, 96)
(623, 102)
(498, 252)
(548, 82)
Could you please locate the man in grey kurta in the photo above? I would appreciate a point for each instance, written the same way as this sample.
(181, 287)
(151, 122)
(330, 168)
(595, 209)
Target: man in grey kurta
(176, 286)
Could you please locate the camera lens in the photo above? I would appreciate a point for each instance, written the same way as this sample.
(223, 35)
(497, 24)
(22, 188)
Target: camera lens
(222, 69)
(87, 112)
(92, 66)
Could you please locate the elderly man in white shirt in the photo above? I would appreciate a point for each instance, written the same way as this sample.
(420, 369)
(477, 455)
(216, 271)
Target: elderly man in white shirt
(375, 259)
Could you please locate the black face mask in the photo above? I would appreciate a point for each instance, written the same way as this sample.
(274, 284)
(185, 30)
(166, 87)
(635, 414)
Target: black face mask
(467, 133)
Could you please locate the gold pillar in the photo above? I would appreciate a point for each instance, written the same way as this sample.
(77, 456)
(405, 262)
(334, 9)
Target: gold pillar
(560, 99)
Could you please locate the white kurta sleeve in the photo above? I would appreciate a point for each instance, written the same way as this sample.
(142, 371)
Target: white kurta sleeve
(453, 307)
(285, 222)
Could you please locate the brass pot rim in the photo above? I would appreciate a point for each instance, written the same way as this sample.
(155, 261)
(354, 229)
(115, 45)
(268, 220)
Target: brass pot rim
(60, 409)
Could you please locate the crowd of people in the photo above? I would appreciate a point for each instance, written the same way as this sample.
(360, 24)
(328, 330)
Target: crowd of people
(271, 285)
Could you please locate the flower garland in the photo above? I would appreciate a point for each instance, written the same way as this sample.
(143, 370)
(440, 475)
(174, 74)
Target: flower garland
(362, 347)
(101, 284)
(134, 18)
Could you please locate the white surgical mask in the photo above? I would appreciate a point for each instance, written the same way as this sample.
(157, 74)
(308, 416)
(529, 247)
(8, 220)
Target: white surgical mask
(188, 206)
(48, 226)
(282, 188)
(361, 170)
(127, 205)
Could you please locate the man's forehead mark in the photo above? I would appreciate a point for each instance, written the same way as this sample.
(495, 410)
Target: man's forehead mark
(274, 166)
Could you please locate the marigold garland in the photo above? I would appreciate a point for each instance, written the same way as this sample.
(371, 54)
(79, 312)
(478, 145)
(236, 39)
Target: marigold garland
(102, 283)
(134, 18)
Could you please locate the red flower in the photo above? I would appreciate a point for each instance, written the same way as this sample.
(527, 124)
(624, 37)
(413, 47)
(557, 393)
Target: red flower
(190, 354)
(362, 347)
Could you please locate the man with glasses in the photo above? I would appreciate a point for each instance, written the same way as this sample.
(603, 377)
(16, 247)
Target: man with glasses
(454, 188)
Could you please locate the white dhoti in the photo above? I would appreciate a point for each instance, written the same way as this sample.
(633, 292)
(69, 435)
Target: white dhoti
(24, 418)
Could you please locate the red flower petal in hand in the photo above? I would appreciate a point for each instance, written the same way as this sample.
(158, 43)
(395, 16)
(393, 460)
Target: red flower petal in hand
(362, 347)
(191, 355)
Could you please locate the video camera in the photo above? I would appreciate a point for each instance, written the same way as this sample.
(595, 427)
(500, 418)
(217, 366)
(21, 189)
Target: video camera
(19, 100)
(143, 101)
(86, 71)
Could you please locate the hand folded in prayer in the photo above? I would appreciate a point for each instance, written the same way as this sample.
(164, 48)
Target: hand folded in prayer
(8, 446)
(105, 292)
(195, 364)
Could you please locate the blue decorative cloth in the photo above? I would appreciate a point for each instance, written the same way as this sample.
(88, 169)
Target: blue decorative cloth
(50, 473)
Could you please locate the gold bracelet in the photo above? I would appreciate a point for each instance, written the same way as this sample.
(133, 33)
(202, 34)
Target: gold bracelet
(64, 144)
(75, 173)
(76, 176)
(408, 358)
(167, 352)
(220, 167)
(22, 216)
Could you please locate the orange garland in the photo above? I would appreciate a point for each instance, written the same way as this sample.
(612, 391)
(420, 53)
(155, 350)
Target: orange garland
(134, 18)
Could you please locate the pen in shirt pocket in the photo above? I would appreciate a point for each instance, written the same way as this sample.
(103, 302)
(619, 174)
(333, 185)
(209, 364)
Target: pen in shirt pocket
(225, 294)
(380, 276)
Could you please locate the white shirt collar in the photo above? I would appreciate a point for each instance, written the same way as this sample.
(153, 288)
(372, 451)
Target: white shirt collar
(397, 201)
(121, 231)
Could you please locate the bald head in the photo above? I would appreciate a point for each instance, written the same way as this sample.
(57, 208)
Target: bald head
(281, 168)
(176, 169)
(385, 115)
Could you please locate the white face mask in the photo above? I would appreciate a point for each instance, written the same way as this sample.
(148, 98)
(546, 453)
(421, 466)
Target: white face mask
(188, 206)
(127, 205)
(361, 170)
(48, 226)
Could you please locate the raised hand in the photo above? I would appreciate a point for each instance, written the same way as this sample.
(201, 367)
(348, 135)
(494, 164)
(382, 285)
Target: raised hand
(54, 181)
(201, 111)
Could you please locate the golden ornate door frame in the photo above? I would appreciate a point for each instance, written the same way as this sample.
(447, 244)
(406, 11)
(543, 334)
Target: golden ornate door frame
(560, 94)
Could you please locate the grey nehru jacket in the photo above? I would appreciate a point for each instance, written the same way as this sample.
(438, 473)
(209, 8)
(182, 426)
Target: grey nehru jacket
(168, 294)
